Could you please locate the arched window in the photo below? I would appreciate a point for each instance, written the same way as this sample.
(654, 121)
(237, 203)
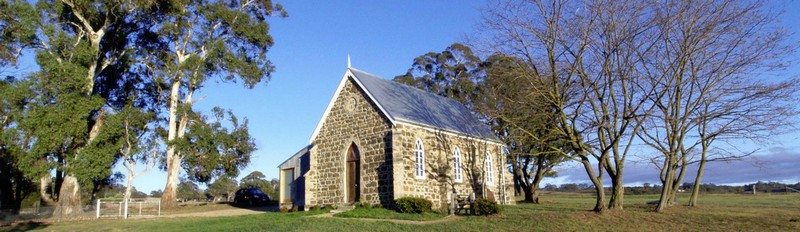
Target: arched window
(419, 151)
(457, 165)
(489, 169)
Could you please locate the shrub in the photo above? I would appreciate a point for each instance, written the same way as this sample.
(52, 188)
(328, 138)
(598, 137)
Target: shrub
(412, 205)
(486, 207)
(378, 206)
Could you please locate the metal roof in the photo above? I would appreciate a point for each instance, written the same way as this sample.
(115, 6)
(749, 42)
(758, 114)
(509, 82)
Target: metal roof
(411, 105)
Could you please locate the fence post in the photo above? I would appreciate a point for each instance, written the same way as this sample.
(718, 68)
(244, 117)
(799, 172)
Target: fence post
(119, 214)
(159, 208)
(98, 208)
(125, 212)
(140, 208)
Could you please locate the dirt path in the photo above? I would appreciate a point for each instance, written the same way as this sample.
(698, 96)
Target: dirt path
(222, 212)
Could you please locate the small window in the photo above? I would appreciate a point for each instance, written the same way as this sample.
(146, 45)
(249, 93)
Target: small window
(419, 151)
(489, 169)
(457, 165)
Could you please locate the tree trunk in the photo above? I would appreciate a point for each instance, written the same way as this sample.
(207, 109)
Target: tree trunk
(666, 184)
(528, 194)
(696, 186)
(617, 192)
(47, 199)
(69, 199)
(676, 185)
(168, 198)
(541, 169)
(535, 194)
(130, 177)
(699, 178)
(600, 205)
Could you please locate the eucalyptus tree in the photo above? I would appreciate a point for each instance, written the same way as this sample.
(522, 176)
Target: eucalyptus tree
(200, 40)
(82, 49)
(455, 73)
(256, 179)
(17, 19)
(137, 143)
(223, 186)
(17, 23)
(14, 185)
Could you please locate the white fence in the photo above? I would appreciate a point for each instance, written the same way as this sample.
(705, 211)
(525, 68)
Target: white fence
(132, 208)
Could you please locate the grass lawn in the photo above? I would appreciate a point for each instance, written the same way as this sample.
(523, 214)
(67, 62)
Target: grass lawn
(558, 212)
(381, 213)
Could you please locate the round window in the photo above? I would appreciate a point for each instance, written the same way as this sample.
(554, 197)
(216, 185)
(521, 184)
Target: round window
(350, 105)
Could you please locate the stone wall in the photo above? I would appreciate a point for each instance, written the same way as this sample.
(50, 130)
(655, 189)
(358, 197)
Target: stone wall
(439, 181)
(352, 119)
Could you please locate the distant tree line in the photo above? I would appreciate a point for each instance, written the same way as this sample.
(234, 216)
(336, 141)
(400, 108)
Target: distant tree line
(707, 188)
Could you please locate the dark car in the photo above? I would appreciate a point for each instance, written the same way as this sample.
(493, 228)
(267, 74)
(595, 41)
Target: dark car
(250, 197)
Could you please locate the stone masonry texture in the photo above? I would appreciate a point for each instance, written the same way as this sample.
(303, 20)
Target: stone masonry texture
(387, 158)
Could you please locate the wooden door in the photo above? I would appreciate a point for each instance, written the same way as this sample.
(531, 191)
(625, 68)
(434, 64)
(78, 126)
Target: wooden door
(353, 170)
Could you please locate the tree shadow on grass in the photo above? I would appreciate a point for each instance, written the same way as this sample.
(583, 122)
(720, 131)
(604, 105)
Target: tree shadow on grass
(23, 226)
(267, 207)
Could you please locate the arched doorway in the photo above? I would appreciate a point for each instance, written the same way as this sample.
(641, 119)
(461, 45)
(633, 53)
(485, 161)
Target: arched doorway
(353, 172)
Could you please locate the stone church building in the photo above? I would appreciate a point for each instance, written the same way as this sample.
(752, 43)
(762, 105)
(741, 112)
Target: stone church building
(379, 140)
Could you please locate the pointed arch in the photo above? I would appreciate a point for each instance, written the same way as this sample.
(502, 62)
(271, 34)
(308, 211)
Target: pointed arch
(419, 154)
(489, 168)
(457, 172)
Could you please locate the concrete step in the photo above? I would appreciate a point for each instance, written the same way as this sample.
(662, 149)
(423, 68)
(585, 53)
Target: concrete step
(342, 208)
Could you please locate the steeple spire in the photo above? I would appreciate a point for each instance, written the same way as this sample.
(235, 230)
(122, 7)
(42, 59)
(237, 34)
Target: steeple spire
(348, 60)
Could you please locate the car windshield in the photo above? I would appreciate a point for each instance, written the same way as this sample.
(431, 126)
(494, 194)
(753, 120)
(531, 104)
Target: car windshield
(256, 191)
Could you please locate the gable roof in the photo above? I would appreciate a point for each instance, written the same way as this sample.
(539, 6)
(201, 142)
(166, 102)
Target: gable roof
(292, 160)
(403, 103)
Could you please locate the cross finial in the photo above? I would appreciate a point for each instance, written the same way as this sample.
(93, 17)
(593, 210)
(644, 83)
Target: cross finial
(348, 60)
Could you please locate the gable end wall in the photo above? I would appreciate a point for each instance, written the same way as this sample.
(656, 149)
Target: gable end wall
(371, 132)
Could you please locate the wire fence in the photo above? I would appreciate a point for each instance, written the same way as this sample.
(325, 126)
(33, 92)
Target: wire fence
(103, 208)
(132, 208)
(43, 213)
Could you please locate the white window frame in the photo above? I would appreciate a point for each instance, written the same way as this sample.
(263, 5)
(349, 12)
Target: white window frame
(489, 168)
(458, 174)
(419, 154)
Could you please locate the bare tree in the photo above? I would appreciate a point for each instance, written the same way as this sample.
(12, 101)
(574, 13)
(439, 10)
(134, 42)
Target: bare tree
(587, 58)
(706, 65)
(542, 34)
(620, 37)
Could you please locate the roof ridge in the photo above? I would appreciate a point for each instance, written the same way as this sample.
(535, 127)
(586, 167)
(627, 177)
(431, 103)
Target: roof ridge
(391, 81)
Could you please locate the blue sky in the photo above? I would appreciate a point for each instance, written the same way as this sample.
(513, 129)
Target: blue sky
(310, 55)
(383, 37)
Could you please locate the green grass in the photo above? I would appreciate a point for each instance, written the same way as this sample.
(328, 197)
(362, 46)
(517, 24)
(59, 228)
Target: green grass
(558, 212)
(381, 213)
